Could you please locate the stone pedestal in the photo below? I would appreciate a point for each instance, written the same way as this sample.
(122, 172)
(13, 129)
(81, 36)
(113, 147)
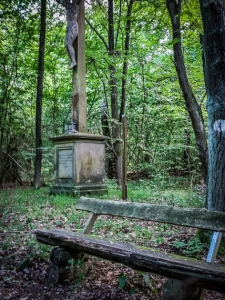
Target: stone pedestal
(79, 164)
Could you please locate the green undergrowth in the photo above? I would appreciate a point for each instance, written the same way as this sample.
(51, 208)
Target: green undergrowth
(23, 210)
(163, 191)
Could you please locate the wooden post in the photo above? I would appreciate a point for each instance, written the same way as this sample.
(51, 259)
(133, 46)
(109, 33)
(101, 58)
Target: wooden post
(79, 101)
(213, 249)
(124, 187)
(90, 223)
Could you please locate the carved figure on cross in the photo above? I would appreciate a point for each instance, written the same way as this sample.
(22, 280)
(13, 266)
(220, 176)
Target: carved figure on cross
(72, 9)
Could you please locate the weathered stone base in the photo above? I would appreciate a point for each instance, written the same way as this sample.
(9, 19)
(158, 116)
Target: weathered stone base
(79, 165)
(78, 190)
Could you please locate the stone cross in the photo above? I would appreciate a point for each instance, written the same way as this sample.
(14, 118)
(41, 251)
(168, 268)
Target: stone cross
(75, 47)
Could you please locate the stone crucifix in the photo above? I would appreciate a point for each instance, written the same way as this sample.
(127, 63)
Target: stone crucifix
(72, 9)
(75, 47)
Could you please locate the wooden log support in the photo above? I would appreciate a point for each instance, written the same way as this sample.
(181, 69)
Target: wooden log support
(190, 217)
(59, 273)
(179, 290)
(62, 257)
(204, 275)
(62, 266)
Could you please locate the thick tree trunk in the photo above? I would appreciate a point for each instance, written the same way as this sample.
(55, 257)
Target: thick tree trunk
(38, 158)
(213, 16)
(186, 153)
(194, 110)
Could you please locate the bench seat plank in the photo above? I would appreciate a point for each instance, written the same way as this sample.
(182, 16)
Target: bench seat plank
(207, 275)
(189, 217)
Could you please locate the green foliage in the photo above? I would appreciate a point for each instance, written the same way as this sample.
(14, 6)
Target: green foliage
(79, 270)
(25, 209)
(190, 247)
(167, 190)
(60, 201)
(122, 281)
(149, 281)
(205, 237)
(155, 109)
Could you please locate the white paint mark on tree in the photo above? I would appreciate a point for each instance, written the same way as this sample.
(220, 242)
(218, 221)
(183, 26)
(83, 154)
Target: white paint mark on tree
(219, 125)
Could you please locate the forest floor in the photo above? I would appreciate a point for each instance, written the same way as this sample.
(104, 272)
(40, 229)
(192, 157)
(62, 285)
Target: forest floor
(24, 262)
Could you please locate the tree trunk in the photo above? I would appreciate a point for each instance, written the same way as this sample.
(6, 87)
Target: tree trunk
(141, 132)
(213, 13)
(116, 127)
(192, 106)
(186, 153)
(38, 158)
(9, 171)
(125, 62)
(109, 157)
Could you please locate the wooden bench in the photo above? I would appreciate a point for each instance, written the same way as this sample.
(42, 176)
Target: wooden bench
(187, 277)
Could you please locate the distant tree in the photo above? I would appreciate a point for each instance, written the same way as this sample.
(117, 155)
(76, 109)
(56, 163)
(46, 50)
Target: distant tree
(192, 106)
(213, 16)
(13, 37)
(38, 158)
(116, 41)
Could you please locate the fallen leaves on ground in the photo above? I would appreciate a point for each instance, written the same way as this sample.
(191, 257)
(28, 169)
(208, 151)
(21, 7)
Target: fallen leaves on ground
(24, 262)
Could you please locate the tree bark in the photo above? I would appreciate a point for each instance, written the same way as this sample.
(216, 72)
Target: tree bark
(125, 62)
(213, 14)
(116, 127)
(112, 126)
(38, 158)
(192, 106)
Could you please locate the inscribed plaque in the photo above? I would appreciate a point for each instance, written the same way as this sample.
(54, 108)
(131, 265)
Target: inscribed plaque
(65, 163)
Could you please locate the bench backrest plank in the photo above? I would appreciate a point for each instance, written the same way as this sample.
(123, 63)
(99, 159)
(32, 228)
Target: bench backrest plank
(189, 217)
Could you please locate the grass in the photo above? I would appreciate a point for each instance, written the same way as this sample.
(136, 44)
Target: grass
(22, 210)
(160, 190)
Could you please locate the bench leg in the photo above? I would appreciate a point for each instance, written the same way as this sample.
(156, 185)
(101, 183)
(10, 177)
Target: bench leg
(61, 267)
(60, 273)
(213, 249)
(179, 290)
(90, 223)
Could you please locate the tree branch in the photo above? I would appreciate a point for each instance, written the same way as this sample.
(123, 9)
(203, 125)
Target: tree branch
(98, 34)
